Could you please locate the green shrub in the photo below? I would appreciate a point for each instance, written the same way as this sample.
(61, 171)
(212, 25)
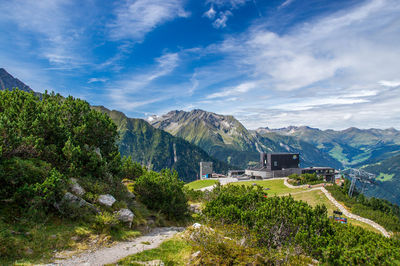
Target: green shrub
(30, 182)
(194, 195)
(310, 179)
(163, 192)
(130, 169)
(104, 222)
(381, 211)
(282, 222)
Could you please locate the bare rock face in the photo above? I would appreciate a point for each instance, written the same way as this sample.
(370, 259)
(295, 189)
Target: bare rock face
(8, 82)
(76, 188)
(106, 200)
(125, 215)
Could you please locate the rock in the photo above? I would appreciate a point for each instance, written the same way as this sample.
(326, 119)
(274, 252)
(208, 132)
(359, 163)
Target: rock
(106, 200)
(131, 195)
(196, 225)
(76, 188)
(125, 215)
(196, 254)
(98, 152)
(75, 238)
(195, 208)
(71, 201)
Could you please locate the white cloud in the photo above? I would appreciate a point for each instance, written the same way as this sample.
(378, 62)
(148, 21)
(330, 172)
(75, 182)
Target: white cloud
(92, 80)
(210, 13)
(135, 18)
(389, 83)
(228, 3)
(53, 26)
(220, 22)
(138, 89)
(242, 88)
(286, 3)
(315, 73)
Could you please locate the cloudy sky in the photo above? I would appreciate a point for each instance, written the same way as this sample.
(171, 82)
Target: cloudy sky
(327, 64)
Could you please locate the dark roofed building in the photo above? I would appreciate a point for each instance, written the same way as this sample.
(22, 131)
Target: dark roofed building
(279, 161)
(327, 172)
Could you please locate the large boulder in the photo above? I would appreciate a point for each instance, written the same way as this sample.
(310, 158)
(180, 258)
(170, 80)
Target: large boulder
(125, 215)
(70, 203)
(106, 200)
(76, 188)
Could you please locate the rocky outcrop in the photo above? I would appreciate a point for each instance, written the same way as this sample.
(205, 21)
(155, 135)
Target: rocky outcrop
(107, 200)
(125, 215)
(76, 188)
(71, 205)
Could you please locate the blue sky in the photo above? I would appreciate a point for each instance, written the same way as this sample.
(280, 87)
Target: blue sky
(327, 64)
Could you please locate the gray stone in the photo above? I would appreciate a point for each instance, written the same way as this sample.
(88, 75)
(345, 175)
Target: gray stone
(70, 200)
(125, 215)
(76, 188)
(75, 238)
(196, 254)
(106, 200)
(98, 152)
(131, 195)
(196, 208)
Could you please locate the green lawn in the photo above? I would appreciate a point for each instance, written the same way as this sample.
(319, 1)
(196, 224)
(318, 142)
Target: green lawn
(385, 177)
(172, 252)
(201, 183)
(276, 186)
(316, 197)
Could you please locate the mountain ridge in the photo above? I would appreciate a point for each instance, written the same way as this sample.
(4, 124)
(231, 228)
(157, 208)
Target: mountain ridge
(9, 82)
(226, 139)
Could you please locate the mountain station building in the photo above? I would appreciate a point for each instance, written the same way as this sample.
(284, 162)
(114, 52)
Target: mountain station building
(284, 164)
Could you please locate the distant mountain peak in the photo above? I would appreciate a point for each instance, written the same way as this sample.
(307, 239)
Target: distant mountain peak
(8, 82)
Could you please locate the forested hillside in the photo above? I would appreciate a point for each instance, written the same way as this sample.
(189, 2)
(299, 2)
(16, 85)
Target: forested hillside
(353, 147)
(388, 179)
(157, 149)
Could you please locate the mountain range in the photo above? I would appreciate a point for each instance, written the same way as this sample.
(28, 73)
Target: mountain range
(226, 139)
(181, 139)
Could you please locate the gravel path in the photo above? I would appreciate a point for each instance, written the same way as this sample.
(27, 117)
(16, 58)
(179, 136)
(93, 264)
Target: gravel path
(123, 249)
(225, 181)
(342, 208)
(353, 216)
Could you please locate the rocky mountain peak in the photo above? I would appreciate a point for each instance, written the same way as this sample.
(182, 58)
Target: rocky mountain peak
(8, 82)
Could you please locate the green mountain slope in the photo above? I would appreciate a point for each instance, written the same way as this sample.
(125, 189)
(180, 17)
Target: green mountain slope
(388, 179)
(158, 149)
(353, 147)
(226, 139)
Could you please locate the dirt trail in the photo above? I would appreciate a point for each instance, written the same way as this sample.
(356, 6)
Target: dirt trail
(122, 249)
